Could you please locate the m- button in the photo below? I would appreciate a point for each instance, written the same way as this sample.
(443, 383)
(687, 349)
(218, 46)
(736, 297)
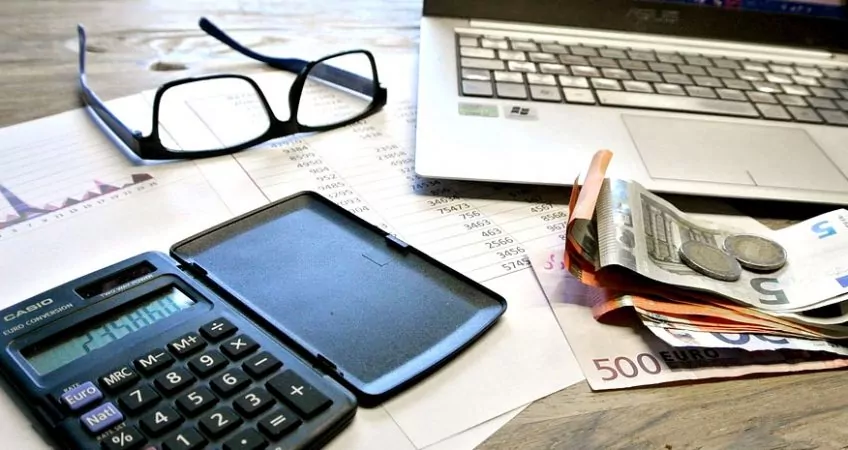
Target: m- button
(153, 362)
(186, 344)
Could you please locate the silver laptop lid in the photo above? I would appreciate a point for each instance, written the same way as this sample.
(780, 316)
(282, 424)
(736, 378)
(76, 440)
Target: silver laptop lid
(812, 24)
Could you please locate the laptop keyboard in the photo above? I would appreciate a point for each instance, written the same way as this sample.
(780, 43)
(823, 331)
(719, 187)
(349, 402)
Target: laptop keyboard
(500, 67)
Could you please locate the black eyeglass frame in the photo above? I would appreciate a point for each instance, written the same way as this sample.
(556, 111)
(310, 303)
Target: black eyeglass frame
(150, 146)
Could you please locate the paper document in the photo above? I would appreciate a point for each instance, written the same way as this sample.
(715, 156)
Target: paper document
(75, 203)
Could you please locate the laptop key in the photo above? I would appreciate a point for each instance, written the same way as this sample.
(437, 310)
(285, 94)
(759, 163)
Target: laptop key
(647, 76)
(834, 117)
(726, 63)
(585, 71)
(804, 114)
(613, 53)
(776, 112)
(468, 41)
(700, 91)
(494, 43)
(545, 93)
(573, 59)
(749, 76)
(835, 73)
(604, 83)
(778, 78)
(542, 57)
(833, 84)
(731, 94)
(509, 77)
(843, 104)
(553, 68)
(843, 93)
(521, 66)
(670, 58)
(639, 55)
(809, 71)
(721, 73)
(692, 70)
(663, 67)
(637, 86)
(741, 85)
(573, 95)
(754, 66)
(597, 61)
(509, 55)
(476, 74)
(791, 100)
(670, 89)
(511, 90)
(821, 103)
(794, 89)
(476, 63)
(806, 81)
(554, 48)
(618, 74)
(761, 97)
(632, 65)
(473, 52)
(764, 86)
(708, 82)
(676, 78)
(583, 51)
(476, 88)
(675, 103)
(824, 93)
(525, 46)
(536, 78)
(698, 61)
(779, 68)
(573, 82)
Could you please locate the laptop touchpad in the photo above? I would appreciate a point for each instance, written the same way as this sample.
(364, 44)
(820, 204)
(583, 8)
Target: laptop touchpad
(721, 152)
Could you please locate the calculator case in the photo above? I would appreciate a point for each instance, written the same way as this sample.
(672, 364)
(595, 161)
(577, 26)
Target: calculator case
(371, 311)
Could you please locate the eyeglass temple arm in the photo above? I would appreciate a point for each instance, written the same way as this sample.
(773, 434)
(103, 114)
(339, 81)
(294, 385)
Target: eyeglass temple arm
(324, 72)
(123, 132)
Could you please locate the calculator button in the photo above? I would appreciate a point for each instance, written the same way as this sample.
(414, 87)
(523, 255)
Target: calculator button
(160, 421)
(207, 363)
(153, 362)
(186, 344)
(246, 439)
(118, 379)
(101, 418)
(230, 382)
(290, 387)
(253, 403)
(262, 364)
(185, 439)
(239, 347)
(138, 399)
(196, 401)
(81, 396)
(219, 422)
(279, 423)
(174, 380)
(217, 329)
(128, 438)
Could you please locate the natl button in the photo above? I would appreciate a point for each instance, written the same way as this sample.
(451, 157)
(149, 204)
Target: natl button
(262, 364)
(128, 438)
(217, 329)
(295, 391)
(153, 362)
(101, 418)
(81, 396)
(118, 379)
(186, 344)
(239, 347)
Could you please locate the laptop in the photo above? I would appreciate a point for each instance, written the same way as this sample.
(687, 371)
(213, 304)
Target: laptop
(734, 99)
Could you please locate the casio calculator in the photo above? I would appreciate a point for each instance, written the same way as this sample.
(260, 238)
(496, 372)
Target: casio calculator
(263, 332)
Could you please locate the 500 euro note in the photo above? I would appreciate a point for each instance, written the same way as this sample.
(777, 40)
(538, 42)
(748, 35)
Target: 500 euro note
(614, 357)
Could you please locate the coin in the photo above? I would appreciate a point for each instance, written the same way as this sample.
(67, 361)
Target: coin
(710, 261)
(756, 252)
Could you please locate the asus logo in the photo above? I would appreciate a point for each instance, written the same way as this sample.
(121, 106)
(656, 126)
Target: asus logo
(30, 308)
(647, 16)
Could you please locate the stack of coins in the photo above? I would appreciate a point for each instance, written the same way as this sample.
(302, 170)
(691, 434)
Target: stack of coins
(752, 252)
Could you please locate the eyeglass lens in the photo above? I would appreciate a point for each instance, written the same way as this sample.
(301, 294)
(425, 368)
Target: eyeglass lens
(337, 89)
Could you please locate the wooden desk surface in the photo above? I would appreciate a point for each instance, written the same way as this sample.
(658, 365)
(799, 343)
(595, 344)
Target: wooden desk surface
(137, 44)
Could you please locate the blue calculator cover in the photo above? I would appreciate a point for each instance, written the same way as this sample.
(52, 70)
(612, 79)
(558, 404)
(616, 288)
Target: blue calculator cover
(368, 309)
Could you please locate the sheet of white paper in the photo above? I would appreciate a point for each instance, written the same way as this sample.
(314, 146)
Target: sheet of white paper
(482, 230)
(473, 437)
(371, 429)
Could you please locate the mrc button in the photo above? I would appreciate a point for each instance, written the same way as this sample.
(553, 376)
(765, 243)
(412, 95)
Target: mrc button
(118, 379)
(81, 396)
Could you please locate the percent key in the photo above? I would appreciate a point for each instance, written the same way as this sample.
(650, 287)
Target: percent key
(126, 439)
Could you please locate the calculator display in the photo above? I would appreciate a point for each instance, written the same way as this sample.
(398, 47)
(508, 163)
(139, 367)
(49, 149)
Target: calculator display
(49, 355)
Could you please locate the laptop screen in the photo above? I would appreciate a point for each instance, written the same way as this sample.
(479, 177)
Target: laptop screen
(814, 8)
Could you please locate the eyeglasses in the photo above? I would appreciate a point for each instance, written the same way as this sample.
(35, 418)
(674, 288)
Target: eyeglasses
(241, 124)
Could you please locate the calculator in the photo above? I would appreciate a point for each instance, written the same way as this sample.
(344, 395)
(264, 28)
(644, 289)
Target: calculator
(238, 339)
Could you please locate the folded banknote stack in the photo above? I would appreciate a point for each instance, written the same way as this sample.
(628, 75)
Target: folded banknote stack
(694, 284)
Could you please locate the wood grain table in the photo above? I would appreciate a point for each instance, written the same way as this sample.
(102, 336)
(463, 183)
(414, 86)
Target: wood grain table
(138, 44)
